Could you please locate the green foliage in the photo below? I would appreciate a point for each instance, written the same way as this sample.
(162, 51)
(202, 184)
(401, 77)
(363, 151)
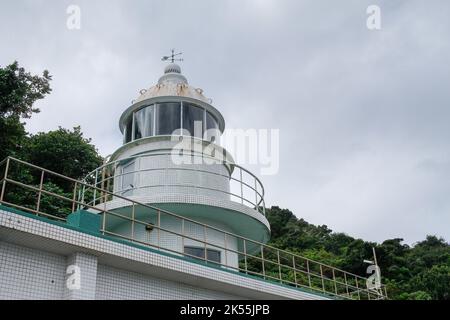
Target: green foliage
(12, 136)
(63, 151)
(421, 272)
(417, 295)
(19, 90)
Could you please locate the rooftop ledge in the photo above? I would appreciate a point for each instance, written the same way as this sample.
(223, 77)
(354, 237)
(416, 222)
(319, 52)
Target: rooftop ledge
(89, 224)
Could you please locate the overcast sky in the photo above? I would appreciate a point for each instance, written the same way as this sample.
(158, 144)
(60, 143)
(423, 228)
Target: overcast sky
(363, 115)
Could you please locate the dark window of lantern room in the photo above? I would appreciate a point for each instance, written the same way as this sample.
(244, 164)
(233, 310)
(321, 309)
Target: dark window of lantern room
(168, 118)
(127, 131)
(193, 119)
(212, 127)
(143, 122)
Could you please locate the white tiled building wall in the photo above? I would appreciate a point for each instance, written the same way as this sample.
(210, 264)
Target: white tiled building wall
(30, 274)
(87, 265)
(33, 274)
(27, 273)
(119, 284)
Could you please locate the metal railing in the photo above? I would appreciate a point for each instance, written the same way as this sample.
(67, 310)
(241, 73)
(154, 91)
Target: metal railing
(245, 187)
(60, 195)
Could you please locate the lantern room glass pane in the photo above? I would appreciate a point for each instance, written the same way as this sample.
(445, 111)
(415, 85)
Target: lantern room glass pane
(168, 118)
(143, 122)
(212, 127)
(128, 130)
(193, 120)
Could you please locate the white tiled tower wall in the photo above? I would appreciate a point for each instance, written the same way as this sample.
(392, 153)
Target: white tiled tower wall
(174, 243)
(159, 175)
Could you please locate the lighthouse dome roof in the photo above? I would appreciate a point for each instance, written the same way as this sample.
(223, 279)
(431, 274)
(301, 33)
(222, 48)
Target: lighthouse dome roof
(172, 83)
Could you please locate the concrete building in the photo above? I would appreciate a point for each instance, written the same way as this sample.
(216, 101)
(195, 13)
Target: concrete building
(169, 216)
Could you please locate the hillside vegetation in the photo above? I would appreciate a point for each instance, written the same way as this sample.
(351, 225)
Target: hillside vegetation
(418, 272)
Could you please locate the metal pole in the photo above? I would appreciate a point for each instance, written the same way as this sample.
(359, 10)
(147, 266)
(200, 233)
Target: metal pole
(374, 256)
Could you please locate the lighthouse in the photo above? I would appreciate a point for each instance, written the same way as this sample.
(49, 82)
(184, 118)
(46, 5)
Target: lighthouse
(171, 161)
(169, 215)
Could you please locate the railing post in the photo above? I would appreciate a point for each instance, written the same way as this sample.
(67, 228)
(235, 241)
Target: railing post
(295, 271)
(245, 256)
(104, 213)
(159, 229)
(204, 243)
(79, 198)
(262, 260)
(4, 179)
(182, 236)
(104, 222)
(279, 266)
(74, 199)
(357, 288)
(95, 187)
(83, 193)
(309, 274)
(242, 187)
(346, 284)
(41, 183)
(334, 280)
(225, 246)
(108, 187)
(132, 220)
(256, 195)
(321, 276)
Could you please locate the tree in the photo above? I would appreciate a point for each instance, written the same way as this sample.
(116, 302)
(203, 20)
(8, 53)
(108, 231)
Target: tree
(436, 282)
(12, 136)
(420, 272)
(19, 90)
(63, 151)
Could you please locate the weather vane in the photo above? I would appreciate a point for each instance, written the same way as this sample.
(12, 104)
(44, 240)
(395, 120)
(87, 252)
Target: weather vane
(172, 57)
